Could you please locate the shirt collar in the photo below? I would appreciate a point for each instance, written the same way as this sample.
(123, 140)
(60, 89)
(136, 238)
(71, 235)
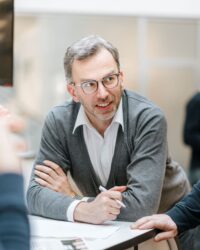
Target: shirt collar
(83, 120)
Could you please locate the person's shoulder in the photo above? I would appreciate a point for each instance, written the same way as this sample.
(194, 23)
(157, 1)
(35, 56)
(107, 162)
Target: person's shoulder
(137, 98)
(138, 101)
(139, 112)
(194, 100)
(64, 110)
(196, 97)
(66, 106)
(63, 106)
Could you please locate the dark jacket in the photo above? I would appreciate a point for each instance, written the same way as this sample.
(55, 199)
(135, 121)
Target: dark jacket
(14, 226)
(192, 129)
(186, 213)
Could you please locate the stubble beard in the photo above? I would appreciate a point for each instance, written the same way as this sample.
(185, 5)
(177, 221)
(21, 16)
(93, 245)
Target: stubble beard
(105, 117)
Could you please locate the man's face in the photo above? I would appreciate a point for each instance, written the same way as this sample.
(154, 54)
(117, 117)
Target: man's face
(101, 105)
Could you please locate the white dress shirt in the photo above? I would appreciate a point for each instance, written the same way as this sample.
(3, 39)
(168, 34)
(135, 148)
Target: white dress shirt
(100, 148)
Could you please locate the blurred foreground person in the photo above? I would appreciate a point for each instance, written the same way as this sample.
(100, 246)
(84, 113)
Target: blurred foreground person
(14, 226)
(191, 136)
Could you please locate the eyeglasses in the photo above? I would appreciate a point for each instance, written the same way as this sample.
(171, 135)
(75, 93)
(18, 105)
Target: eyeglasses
(91, 86)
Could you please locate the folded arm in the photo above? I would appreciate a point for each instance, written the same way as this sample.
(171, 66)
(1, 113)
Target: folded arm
(42, 200)
(50, 193)
(101, 209)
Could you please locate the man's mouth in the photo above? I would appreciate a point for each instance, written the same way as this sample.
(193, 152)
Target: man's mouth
(104, 106)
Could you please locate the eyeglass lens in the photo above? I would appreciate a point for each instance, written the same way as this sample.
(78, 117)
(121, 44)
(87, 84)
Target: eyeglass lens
(109, 82)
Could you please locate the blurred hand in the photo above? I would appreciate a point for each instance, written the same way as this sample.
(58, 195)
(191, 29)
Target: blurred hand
(159, 221)
(53, 177)
(14, 122)
(3, 111)
(102, 209)
(9, 145)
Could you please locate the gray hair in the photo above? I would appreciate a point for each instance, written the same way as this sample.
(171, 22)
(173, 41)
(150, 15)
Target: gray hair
(85, 48)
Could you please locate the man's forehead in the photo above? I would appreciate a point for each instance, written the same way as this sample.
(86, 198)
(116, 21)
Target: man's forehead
(96, 66)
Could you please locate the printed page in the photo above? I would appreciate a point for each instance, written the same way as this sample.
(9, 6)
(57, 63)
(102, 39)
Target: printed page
(64, 244)
(42, 227)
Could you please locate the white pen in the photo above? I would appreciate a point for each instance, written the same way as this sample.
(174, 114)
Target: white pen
(103, 189)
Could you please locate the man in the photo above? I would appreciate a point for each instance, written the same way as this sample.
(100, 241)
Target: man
(14, 226)
(105, 136)
(183, 216)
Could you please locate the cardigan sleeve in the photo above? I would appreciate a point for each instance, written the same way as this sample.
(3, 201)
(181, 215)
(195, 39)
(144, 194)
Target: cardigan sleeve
(41, 200)
(14, 226)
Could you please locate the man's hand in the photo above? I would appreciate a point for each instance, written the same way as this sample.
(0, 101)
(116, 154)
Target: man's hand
(52, 176)
(102, 209)
(121, 189)
(160, 221)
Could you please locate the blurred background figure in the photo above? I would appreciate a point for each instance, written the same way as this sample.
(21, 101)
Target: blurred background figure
(192, 139)
(192, 135)
(14, 226)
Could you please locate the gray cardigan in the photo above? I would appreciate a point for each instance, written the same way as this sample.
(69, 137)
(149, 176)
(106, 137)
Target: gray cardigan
(140, 161)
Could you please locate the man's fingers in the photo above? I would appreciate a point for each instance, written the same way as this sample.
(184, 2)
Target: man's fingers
(119, 188)
(113, 195)
(43, 183)
(44, 176)
(140, 222)
(160, 221)
(46, 170)
(148, 225)
(114, 211)
(54, 166)
(164, 236)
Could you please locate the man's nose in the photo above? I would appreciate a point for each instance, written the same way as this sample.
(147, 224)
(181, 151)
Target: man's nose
(102, 91)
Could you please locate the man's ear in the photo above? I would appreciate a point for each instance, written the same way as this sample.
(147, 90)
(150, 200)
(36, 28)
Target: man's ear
(121, 79)
(72, 92)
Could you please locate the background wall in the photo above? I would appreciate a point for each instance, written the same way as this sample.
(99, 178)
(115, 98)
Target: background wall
(159, 57)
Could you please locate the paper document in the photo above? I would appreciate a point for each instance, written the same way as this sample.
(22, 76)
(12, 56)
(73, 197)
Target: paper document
(67, 244)
(42, 227)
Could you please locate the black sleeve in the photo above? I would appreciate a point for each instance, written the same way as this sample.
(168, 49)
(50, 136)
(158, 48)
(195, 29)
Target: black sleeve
(186, 213)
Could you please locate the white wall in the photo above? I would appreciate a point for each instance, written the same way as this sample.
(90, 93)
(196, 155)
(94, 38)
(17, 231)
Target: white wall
(150, 8)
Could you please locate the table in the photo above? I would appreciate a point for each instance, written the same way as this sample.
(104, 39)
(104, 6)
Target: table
(122, 238)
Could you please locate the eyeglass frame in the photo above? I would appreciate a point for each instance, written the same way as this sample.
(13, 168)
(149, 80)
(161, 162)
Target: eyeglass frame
(97, 83)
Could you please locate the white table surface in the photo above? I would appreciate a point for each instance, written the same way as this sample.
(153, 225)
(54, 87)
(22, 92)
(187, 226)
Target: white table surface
(122, 235)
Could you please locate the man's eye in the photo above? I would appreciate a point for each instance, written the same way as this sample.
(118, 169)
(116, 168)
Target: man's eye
(111, 78)
(89, 84)
(108, 79)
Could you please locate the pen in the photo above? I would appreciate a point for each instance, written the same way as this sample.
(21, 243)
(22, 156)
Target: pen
(103, 189)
